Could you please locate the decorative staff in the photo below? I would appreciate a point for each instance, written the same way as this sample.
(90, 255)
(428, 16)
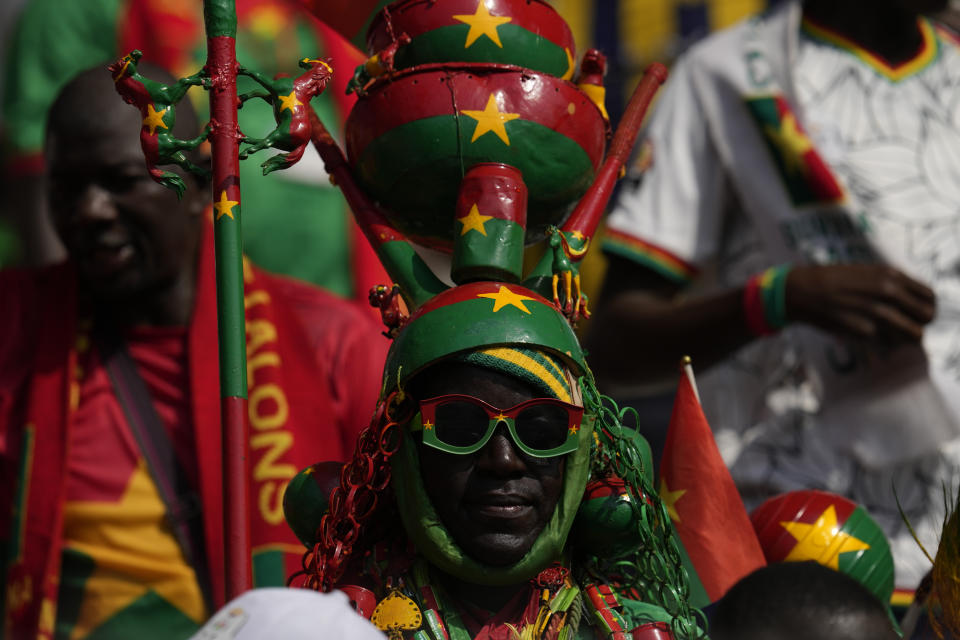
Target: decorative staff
(290, 100)
(220, 18)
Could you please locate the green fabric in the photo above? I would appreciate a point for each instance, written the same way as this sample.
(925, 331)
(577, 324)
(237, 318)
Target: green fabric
(149, 617)
(432, 539)
(269, 569)
(698, 594)
(75, 569)
(52, 41)
(637, 613)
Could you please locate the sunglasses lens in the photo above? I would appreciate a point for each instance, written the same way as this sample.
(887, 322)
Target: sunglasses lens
(543, 426)
(460, 423)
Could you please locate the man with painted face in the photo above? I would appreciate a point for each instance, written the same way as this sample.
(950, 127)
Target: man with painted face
(494, 454)
(110, 358)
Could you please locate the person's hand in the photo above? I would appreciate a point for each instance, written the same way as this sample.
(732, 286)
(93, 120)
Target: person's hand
(875, 302)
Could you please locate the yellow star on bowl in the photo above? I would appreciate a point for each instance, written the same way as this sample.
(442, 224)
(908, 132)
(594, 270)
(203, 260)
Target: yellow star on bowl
(491, 119)
(482, 24)
(822, 541)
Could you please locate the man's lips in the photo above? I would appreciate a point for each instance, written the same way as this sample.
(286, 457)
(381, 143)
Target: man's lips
(496, 505)
(107, 258)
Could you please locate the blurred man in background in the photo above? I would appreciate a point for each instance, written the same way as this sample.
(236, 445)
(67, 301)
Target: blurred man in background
(110, 435)
(798, 229)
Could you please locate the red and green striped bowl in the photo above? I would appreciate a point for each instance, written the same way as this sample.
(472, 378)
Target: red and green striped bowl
(833, 530)
(526, 33)
(410, 142)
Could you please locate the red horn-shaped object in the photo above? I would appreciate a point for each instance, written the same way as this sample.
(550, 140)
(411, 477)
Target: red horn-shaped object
(586, 216)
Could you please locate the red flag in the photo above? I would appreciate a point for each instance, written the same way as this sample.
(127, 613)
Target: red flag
(701, 498)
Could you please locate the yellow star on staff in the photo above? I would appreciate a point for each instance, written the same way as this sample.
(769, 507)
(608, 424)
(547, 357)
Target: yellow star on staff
(791, 142)
(289, 101)
(225, 207)
(822, 541)
(154, 119)
(504, 297)
(670, 499)
(491, 119)
(474, 221)
(482, 24)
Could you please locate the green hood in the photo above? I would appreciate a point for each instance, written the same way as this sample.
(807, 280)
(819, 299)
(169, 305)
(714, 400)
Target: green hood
(432, 539)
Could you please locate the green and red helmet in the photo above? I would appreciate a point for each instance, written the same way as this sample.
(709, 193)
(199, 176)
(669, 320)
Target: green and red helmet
(829, 529)
(481, 315)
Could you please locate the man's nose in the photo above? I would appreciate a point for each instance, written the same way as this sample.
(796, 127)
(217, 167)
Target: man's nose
(94, 204)
(500, 455)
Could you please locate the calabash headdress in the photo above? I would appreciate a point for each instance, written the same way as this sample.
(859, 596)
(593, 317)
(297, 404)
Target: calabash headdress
(469, 137)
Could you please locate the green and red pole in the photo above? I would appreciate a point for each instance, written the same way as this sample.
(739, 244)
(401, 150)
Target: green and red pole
(220, 18)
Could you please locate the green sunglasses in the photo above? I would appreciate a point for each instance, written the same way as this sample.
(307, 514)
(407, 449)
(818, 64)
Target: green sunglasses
(461, 424)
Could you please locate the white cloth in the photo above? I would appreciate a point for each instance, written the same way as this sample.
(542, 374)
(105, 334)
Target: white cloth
(803, 409)
(291, 614)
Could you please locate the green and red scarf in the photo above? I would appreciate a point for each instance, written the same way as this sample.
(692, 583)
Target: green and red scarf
(288, 422)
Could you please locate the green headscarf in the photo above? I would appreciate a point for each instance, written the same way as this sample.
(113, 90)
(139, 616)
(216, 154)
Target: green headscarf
(420, 519)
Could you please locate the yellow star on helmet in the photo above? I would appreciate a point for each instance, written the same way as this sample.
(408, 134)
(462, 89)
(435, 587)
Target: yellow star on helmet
(473, 221)
(154, 119)
(482, 24)
(289, 101)
(670, 499)
(822, 541)
(491, 119)
(225, 207)
(505, 297)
